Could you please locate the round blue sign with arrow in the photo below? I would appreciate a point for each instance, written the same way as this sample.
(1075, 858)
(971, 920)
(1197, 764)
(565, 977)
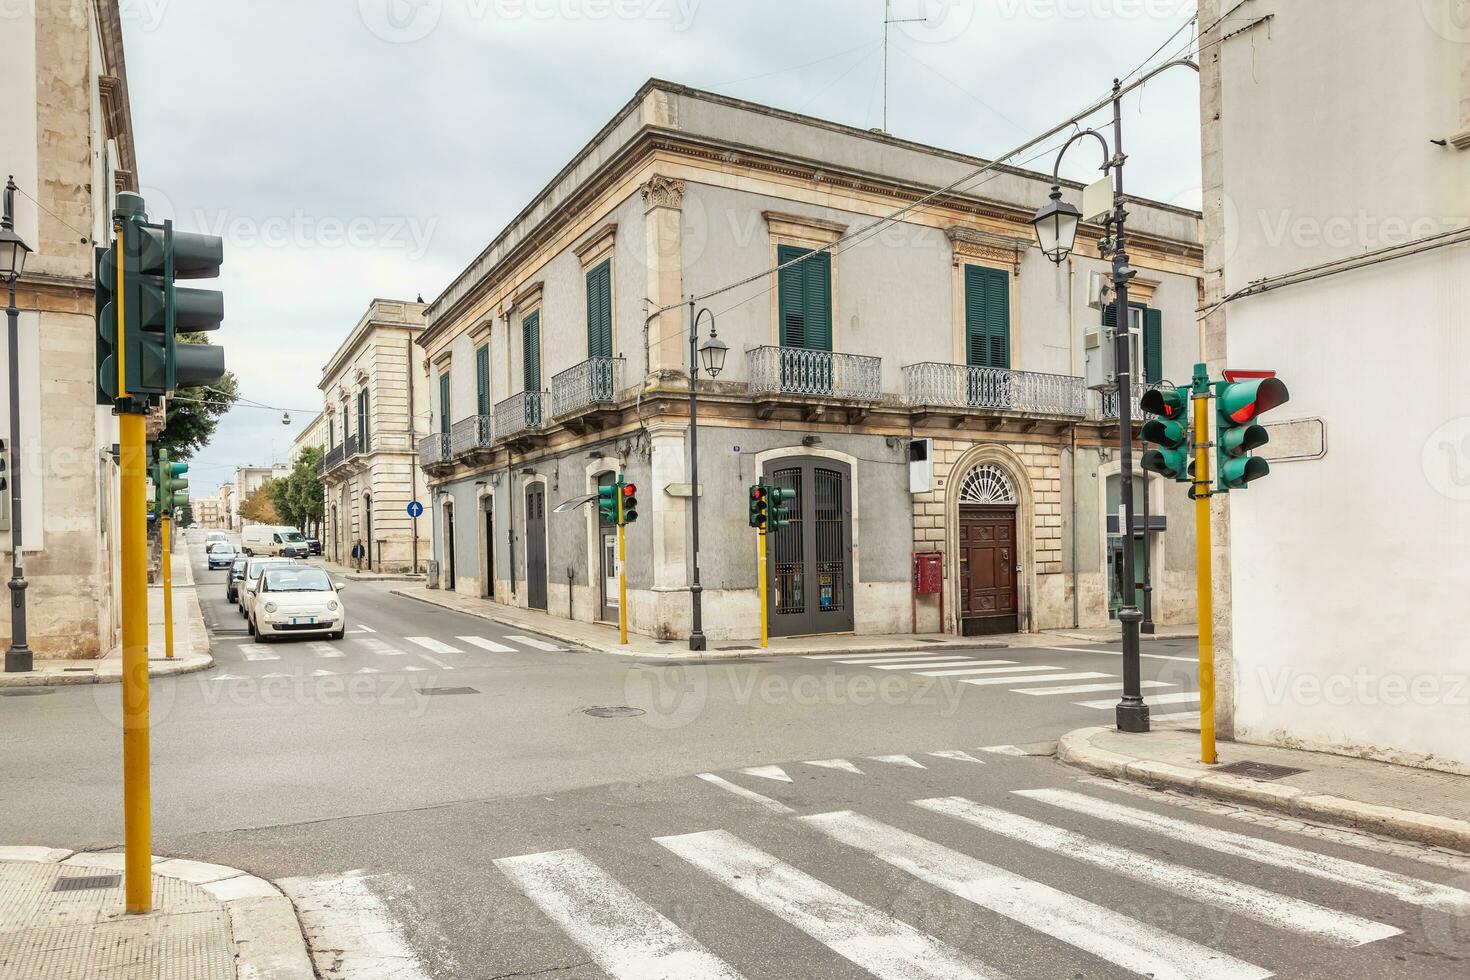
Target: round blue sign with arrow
(415, 508)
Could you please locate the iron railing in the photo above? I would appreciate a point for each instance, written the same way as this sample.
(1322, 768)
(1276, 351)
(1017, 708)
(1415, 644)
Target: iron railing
(596, 380)
(434, 449)
(470, 434)
(798, 371)
(996, 389)
(1105, 403)
(330, 459)
(520, 413)
(350, 449)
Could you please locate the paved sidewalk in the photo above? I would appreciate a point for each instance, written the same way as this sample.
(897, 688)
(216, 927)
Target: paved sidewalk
(345, 573)
(1423, 805)
(191, 640)
(209, 922)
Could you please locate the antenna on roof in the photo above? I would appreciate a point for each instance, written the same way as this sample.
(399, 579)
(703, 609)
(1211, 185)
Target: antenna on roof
(889, 19)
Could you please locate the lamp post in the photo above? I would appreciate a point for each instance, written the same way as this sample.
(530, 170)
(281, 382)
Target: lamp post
(1056, 232)
(13, 251)
(712, 353)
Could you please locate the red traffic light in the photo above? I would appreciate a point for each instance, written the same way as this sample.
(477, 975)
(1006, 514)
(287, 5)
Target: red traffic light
(629, 489)
(757, 493)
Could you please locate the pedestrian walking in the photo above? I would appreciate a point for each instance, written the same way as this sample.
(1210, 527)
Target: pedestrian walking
(359, 552)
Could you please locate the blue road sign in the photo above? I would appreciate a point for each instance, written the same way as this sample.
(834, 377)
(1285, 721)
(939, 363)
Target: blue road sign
(415, 508)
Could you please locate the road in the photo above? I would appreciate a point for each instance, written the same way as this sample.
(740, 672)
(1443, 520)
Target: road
(444, 797)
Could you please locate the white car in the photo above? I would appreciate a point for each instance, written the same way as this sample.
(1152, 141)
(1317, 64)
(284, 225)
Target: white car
(294, 600)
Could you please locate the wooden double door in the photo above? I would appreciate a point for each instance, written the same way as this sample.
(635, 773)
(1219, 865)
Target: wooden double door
(989, 566)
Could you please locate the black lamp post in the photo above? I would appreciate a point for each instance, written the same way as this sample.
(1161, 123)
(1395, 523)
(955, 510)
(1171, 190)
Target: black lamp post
(13, 252)
(712, 353)
(1056, 232)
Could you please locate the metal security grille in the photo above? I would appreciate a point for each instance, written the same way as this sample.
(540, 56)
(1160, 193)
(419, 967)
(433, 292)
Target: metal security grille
(788, 567)
(831, 551)
(810, 563)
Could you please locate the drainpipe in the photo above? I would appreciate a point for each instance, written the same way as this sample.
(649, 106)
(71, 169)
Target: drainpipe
(1076, 601)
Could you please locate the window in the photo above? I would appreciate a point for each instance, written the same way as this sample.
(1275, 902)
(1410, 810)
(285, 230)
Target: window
(599, 310)
(362, 420)
(531, 352)
(1145, 340)
(444, 403)
(804, 305)
(482, 379)
(331, 431)
(987, 317)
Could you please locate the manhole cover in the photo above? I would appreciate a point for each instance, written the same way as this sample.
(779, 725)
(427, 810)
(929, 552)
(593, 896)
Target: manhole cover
(613, 711)
(448, 690)
(28, 692)
(1258, 770)
(85, 883)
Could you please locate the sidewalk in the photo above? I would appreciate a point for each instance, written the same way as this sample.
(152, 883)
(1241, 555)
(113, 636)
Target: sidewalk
(345, 573)
(604, 637)
(209, 922)
(1423, 805)
(191, 641)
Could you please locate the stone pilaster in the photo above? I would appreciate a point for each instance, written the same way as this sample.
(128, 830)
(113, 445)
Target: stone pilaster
(663, 224)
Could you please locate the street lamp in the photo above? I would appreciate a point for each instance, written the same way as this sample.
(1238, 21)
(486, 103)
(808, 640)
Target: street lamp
(1056, 232)
(13, 252)
(712, 354)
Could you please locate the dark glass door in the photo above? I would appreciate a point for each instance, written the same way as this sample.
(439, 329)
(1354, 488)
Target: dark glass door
(810, 560)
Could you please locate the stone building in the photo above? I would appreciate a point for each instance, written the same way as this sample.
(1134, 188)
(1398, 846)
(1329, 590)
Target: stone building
(249, 479)
(944, 340)
(375, 410)
(68, 139)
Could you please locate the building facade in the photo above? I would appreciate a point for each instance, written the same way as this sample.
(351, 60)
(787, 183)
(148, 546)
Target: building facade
(918, 386)
(69, 142)
(206, 512)
(375, 411)
(228, 513)
(249, 479)
(1339, 227)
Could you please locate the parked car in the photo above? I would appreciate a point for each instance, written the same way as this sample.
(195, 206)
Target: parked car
(267, 539)
(253, 568)
(314, 544)
(232, 584)
(296, 600)
(221, 554)
(216, 536)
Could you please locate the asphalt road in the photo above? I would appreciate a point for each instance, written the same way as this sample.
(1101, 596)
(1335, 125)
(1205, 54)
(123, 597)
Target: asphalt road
(445, 797)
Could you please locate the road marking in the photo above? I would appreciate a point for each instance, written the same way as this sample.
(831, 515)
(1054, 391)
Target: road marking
(1261, 850)
(413, 667)
(627, 937)
(898, 760)
(874, 655)
(1117, 653)
(983, 670)
(366, 628)
(767, 772)
(369, 670)
(432, 645)
(381, 649)
(1281, 911)
(868, 937)
(437, 663)
(323, 673)
(1129, 943)
(1002, 749)
(1177, 697)
(536, 644)
(484, 644)
(267, 677)
(841, 764)
(931, 663)
(227, 677)
(1086, 688)
(250, 654)
(983, 681)
(349, 929)
(920, 659)
(775, 806)
(958, 755)
(324, 650)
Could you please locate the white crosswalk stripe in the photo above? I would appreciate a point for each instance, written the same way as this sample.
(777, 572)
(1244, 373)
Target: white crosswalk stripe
(1177, 697)
(840, 764)
(1133, 945)
(930, 663)
(768, 772)
(898, 760)
(627, 937)
(535, 644)
(866, 936)
(956, 755)
(1010, 679)
(915, 659)
(1282, 911)
(325, 650)
(1088, 688)
(984, 671)
(381, 648)
(775, 806)
(484, 644)
(437, 663)
(252, 654)
(868, 656)
(432, 645)
(1263, 850)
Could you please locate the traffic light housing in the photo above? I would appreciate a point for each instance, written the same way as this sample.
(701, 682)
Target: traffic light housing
(607, 503)
(1239, 402)
(170, 488)
(1167, 432)
(759, 506)
(630, 501)
(779, 512)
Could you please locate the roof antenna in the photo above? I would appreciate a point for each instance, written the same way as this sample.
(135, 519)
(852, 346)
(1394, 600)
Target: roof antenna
(889, 19)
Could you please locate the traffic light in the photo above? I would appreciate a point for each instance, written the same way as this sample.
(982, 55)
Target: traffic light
(758, 506)
(779, 514)
(630, 501)
(170, 489)
(607, 503)
(1168, 431)
(138, 275)
(1238, 403)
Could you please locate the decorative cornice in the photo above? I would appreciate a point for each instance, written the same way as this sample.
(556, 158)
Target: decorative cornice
(784, 225)
(970, 244)
(528, 295)
(597, 242)
(1461, 140)
(662, 192)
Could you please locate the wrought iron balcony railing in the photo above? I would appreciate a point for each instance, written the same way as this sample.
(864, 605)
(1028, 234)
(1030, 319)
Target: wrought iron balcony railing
(434, 449)
(798, 371)
(1105, 403)
(519, 414)
(470, 434)
(596, 380)
(996, 389)
(351, 448)
(331, 458)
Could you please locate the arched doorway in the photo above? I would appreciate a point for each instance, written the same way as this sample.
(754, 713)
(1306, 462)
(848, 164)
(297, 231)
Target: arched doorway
(336, 537)
(988, 553)
(448, 546)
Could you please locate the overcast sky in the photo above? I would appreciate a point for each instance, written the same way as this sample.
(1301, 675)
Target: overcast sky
(347, 149)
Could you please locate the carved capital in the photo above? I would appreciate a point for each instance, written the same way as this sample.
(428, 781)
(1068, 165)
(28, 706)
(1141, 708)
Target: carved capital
(986, 249)
(662, 192)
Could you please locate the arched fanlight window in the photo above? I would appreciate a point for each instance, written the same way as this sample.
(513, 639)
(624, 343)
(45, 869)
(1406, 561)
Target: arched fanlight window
(987, 484)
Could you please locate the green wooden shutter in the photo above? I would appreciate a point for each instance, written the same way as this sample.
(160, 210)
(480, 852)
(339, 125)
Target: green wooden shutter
(804, 304)
(987, 317)
(1153, 346)
(818, 301)
(444, 403)
(599, 310)
(362, 419)
(482, 379)
(791, 304)
(531, 352)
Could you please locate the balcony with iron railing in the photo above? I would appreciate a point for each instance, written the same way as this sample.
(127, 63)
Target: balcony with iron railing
(330, 459)
(801, 374)
(434, 449)
(520, 415)
(1104, 404)
(470, 435)
(931, 384)
(593, 384)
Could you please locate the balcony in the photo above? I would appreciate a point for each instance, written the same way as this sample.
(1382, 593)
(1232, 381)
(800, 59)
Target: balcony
(796, 374)
(1105, 404)
(520, 419)
(582, 397)
(471, 435)
(330, 458)
(434, 450)
(954, 390)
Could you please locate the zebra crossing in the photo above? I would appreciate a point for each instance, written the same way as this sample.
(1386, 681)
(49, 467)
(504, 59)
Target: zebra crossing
(626, 930)
(990, 672)
(367, 651)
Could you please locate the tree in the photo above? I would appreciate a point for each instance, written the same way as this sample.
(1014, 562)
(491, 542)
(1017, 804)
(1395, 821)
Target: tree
(186, 515)
(259, 506)
(298, 495)
(193, 414)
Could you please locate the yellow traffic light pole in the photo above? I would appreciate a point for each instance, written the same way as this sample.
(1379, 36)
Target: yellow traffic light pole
(166, 527)
(1203, 570)
(622, 576)
(761, 533)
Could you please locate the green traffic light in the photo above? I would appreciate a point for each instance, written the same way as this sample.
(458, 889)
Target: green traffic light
(1236, 473)
(1173, 463)
(779, 513)
(607, 503)
(1238, 404)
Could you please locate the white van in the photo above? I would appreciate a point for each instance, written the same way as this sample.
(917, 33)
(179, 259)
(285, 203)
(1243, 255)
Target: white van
(276, 540)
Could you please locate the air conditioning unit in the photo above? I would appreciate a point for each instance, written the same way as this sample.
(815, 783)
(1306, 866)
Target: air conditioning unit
(1099, 290)
(921, 465)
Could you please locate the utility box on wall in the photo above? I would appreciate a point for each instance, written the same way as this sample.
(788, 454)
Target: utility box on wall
(928, 580)
(921, 465)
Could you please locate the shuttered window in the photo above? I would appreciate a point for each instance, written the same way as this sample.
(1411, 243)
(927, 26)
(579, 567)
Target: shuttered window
(482, 380)
(531, 352)
(1151, 352)
(362, 420)
(599, 310)
(805, 301)
(987, 317)
(444, 403)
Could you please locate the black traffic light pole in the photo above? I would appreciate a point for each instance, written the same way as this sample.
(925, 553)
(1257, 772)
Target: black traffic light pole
(18, 659)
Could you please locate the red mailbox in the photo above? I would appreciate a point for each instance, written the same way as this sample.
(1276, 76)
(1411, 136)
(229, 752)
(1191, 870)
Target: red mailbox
(928, 580)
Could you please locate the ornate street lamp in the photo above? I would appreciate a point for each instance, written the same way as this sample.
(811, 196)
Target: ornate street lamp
(13, 252)
(1056, 226)
(712, 354)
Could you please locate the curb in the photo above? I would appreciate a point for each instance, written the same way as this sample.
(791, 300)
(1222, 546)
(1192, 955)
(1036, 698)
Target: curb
(1076, 749)
(107, 675)
(268, 943)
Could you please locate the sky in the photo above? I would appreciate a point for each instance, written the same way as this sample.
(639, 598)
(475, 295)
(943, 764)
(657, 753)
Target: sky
(352, 149)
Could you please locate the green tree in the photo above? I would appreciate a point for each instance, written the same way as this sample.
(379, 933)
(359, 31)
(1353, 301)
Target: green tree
(186, 515)
(298, 495)
(193, 414)
(259, 506)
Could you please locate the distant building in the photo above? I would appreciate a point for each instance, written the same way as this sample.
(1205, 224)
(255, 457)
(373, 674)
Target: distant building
(227, 512)
(249, 479)
(206, 512)
(312, 436)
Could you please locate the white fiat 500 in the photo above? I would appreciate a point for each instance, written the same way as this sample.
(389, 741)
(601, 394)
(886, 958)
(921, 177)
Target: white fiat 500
(296, 600)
